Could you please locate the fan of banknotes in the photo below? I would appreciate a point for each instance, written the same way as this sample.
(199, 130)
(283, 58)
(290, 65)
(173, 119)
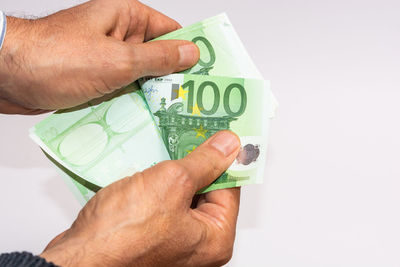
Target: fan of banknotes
(163, 118)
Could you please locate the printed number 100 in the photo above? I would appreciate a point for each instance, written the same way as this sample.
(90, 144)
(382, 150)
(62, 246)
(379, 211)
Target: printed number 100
(217, 98)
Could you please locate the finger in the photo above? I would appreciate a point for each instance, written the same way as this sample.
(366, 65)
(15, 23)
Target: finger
(206, 163)
(219, 211)
(159, 24)
(222, 205)
(164, 57)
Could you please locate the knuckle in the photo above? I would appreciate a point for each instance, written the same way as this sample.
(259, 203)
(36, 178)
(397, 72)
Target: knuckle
(173, 168)
(165, 57)
(126, 72)
(178, 174)
(125, 63)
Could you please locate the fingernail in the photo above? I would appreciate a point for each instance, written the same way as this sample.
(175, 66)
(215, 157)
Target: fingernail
(226, 142)
(188, 55)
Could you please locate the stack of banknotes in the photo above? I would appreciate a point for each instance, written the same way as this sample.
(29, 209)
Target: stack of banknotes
(163, 118)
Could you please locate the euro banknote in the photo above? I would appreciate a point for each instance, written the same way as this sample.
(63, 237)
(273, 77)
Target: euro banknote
(99, 143)
(105, 140)
(189, 109)
(222, 53)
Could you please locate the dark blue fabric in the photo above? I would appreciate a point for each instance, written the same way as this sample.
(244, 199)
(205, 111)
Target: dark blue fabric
(23, 259)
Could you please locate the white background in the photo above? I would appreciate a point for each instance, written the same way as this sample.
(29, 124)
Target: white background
(331, 195)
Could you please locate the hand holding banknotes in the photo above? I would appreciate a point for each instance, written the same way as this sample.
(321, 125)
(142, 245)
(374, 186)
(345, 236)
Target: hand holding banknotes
(147, 219)
(181, 121)
(84, 52)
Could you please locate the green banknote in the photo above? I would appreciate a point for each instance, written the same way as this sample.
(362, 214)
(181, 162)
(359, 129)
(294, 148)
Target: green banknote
(221, 51)
(189, 109)
(105, 140)
(99, 143)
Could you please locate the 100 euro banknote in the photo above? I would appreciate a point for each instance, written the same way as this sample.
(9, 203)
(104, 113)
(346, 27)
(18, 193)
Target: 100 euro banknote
(189, 109)
(222, 53)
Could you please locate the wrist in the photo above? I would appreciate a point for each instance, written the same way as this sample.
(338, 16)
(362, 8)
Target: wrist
(80, 251)
(99, 250)
(11, 46)
(67, 253)
(12, 56)
(6, 52)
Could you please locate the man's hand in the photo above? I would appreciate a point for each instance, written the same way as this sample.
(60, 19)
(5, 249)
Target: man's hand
(84, 52)
(147, 219)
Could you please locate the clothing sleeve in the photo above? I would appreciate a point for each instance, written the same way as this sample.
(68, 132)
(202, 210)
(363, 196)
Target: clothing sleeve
(3, 27)
(23, 259)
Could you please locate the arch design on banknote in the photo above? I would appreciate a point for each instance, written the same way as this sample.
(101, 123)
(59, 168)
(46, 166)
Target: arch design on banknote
(182, 133)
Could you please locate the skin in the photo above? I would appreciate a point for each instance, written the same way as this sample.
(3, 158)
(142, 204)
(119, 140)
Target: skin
(153, 217)
(85, 52)
(149, 219)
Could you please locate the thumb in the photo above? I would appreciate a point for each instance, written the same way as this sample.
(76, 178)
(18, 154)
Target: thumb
(159, 58)
(197, 170)
(207, 162)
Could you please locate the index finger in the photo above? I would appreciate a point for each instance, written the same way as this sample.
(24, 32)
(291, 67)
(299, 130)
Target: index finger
(222, 205)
